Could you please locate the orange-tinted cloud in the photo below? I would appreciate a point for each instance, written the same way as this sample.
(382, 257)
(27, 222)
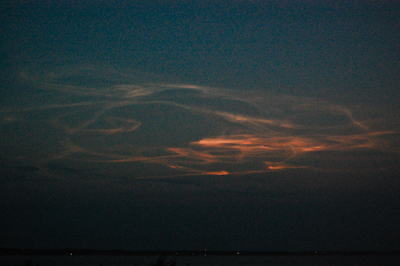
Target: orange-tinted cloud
(210, 131)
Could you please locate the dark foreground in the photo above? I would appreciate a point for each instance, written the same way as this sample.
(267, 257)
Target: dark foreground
(210, 260)
(93, 252)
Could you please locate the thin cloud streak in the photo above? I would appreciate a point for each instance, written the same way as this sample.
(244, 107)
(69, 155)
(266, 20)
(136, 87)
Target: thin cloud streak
(188, 129)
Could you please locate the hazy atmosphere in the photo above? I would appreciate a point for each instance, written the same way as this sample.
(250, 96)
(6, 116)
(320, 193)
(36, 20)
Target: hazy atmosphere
(192, 125)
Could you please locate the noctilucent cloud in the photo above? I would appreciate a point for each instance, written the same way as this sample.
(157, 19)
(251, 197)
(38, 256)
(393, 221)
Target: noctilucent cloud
(78, 122)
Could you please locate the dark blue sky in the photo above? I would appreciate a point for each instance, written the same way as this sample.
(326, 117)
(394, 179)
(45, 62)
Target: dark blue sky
(251, 125)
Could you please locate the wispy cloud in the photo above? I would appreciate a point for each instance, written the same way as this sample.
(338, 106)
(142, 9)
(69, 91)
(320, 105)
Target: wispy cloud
(190, 129)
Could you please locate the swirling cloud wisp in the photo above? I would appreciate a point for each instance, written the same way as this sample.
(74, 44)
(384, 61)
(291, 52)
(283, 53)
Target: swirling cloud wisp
(156, 130)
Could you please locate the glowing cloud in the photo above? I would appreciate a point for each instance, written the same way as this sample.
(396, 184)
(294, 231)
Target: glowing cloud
(176, 129)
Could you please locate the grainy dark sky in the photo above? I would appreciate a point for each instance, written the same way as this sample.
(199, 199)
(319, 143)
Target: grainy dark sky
(220, 125)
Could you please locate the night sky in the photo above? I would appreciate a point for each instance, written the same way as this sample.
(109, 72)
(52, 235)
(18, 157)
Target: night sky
(219, 125)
